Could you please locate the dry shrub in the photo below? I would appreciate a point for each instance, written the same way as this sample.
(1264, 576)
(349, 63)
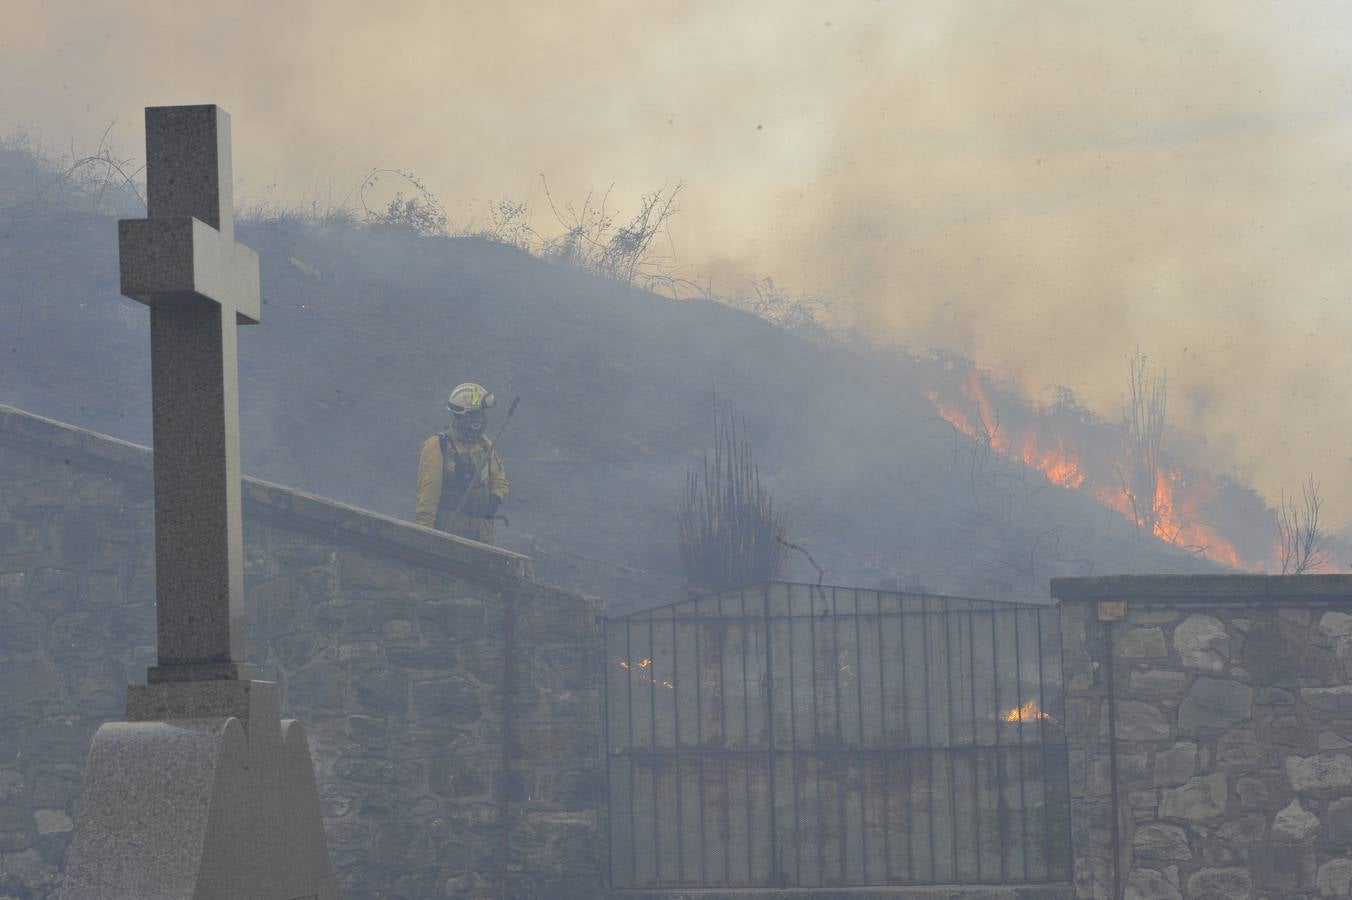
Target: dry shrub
(730, 532)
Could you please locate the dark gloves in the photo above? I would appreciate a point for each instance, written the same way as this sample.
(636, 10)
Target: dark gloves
(494, 501)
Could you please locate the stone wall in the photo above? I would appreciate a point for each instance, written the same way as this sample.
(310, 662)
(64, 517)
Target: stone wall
(1213, 714)
(388, 640)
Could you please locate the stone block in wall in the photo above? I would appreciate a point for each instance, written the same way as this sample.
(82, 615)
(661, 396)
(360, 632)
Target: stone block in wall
(1144, 805)
(1141, 643)
(1243, 831)
(1273, 696)
(75, 536)
(379, 689)
(27, 681)
(1233, 883)
(321, 687)
(1338, 821)
(1336, 624)
(1283, 867)
(1240, 750)
(98, 688)
(1277, 653)
(1200, 798)
(1148, 884)
(130, 625)
(1334, 878)
(452, 620)
(1158, 684)
(1214, 705)
(545, 741)
(455, 699)
(1321, 772)
(296, 650)
(1336, 700)
(1202, 642)
(1291, 735)
(24, 628)
(1161, 841)
(101, 588)
(422, 656)
(26, 871)
(1294, 823)
(1175, 765)
(1139, 721)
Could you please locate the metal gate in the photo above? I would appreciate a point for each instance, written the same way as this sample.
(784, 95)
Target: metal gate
(795, 735)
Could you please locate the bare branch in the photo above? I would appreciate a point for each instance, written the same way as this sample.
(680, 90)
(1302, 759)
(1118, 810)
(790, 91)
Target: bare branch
(1145, 420)
(1303, 541)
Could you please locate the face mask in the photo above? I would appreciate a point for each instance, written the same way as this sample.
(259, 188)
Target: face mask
(469, 424)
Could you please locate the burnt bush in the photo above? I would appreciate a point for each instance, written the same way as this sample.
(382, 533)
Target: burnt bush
(730, 532)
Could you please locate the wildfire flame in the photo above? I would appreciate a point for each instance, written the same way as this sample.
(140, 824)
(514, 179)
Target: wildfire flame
(1029, 712)
(646, 663)
(1170, 513)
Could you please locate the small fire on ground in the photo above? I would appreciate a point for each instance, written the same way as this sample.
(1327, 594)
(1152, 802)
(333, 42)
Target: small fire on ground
(645, 663)
(1029, 712)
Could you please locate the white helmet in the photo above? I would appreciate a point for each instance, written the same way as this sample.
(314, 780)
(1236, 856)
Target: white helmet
(469, 397)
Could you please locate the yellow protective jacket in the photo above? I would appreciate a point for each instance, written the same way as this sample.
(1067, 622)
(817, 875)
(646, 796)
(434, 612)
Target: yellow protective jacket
(441, 481)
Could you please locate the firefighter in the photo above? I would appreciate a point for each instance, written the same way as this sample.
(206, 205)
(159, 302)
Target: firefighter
(461, 460)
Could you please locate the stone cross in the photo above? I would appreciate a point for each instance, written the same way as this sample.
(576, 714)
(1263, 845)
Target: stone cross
(182, 261)
(205, 792)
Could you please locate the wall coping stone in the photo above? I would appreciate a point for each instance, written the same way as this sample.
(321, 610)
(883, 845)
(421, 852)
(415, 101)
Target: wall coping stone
(306, 512)
(1208, 590)
(1049, 891)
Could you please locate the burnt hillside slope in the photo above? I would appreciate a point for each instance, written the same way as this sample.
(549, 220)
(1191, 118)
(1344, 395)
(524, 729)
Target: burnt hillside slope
(364, 331)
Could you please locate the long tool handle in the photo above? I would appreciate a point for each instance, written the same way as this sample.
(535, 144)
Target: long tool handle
(488, 460)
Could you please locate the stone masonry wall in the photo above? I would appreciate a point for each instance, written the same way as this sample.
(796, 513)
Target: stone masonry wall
(388, 640)
(1230, 702)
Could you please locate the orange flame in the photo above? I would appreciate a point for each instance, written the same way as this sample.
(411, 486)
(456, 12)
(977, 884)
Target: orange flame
(1174, 504)
(646, 663)
(1029, 712)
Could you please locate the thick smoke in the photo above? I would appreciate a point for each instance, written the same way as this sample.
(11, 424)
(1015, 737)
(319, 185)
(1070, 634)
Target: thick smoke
(1044, 186)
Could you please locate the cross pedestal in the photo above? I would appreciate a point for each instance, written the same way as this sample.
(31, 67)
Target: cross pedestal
(205, 791)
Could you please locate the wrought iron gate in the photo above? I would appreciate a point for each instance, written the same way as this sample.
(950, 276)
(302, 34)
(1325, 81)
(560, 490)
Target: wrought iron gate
(795, 735)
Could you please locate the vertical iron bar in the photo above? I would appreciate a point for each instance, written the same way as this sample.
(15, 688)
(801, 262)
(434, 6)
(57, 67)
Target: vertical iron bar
(746, 738)
(676, 744)
(816, 731)
(652, 701)
(723, 735)
(976, 751)
(699, 740)
(605, 739)
(904, 733)
(1067, 836)
(999, 752)
(629, 685)
(776, 863)
(793, 747)
(952, 753)
(1023, 774)
(886, 746)
(929, 738)
(863, 757)
(1042, 741)
(841, 760)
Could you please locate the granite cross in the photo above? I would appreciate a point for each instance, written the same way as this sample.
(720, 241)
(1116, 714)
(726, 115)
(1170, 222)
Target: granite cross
(182, 261)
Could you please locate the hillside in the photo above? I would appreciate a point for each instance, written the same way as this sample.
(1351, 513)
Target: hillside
(364, 330)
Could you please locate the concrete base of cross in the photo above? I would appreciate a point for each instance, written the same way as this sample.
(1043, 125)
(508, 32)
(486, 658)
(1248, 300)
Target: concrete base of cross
(204, 794)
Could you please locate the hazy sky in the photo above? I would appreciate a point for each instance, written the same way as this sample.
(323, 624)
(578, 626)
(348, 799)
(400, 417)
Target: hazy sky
(1042, 185)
